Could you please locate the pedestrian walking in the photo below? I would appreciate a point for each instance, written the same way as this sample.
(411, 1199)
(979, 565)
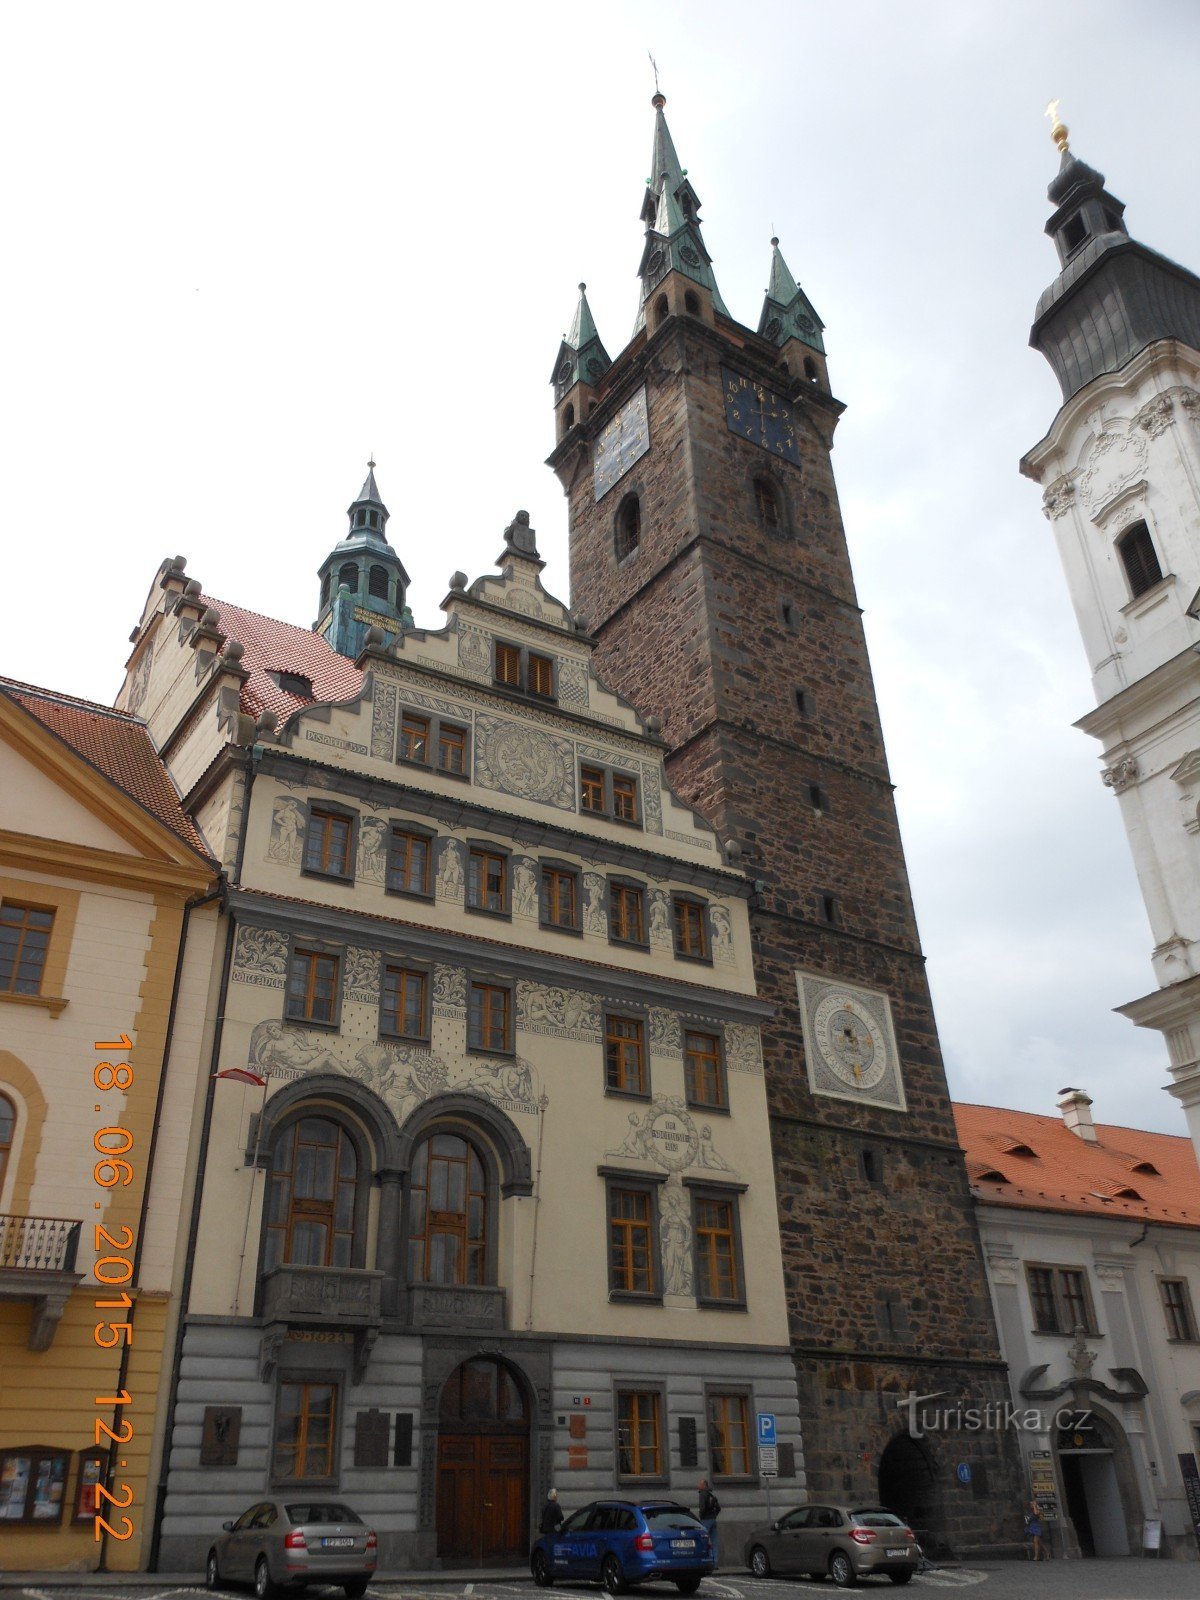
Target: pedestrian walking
(710, 1510)
(552, 1514)
(1034, 1531)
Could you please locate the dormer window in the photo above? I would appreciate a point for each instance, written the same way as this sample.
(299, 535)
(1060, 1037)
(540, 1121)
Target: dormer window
(1139, 558)
(294, 683)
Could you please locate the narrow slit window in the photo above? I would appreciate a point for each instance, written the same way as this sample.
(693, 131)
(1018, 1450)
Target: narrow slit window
(629, 527)
(766, 504)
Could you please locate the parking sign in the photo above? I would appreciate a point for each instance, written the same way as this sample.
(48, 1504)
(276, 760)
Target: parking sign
(766, 1427)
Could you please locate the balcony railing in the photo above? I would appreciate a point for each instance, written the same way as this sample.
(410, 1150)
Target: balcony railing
(38, 1244)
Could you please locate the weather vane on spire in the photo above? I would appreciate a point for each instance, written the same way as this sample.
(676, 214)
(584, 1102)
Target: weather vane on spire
(1058, 129)
(660, 98)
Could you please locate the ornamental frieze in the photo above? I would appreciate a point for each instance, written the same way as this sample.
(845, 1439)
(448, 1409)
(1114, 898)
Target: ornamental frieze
(1115, 461)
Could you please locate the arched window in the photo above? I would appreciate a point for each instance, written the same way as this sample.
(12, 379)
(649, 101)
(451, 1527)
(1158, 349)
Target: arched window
(568, 419)
(447, 1212)
(377, 583)
(311, 1196)
(810, 369)
(481, 1391)
(629, 527)
(360, 517)
(325, 590)
(661, 309)
(373, 518)
(766, 505)
(348, 574)
(1139, 558)
(691, 303)
(8, 1123)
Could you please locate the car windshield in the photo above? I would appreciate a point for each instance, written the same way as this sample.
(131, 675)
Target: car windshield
(320, 1511)
(669, 1517)
(873, 1518)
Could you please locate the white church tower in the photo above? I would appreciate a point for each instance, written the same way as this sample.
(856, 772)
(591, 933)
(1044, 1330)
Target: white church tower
(1120, 473)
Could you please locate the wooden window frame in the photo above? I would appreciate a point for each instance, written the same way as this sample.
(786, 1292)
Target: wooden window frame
(523, 684)
(426, 722)
(608, 810)
(305, 1381)
(457, 731)
(623, 885)
(1064, 1324)
(477, 1046)
(64, 904)
(314, 949)
(1177, 1309)
(561, 869)
(480, 849)
(488, 1242)
(26, 907)
(617, 1182)
(36, 1454)
(328, 811)
(410, 830)
(634, 1020)
(288, 1130)
(744, 1396)
(435, 726)
(690, 903)
(409, 969)
(719, 1106)
(656, 1394)
(710, 1190)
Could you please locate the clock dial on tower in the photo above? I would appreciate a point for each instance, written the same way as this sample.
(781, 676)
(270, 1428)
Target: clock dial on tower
(756, 413)
(624, 440)
(850, 1042)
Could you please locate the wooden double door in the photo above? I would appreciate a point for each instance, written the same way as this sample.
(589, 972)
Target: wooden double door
(483, 1497)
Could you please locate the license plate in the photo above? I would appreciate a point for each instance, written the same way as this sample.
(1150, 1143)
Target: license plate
(683, 1544)
(900, 1552)
(337, 1544)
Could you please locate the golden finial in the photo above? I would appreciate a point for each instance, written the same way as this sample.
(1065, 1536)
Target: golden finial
(1058, 129)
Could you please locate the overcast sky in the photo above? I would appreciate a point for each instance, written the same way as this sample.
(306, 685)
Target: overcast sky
(248, 244)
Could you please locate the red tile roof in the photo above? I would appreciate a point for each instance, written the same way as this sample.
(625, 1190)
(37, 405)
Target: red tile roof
(115, 744)
(274, 646)
(1067, 1173)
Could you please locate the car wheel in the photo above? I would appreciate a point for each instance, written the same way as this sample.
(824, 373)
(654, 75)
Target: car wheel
(212, 1571)
(611, 1575)
(900, 1577)
(540, 1568)
(841, 1570)
(688, 1585)
(263, 1587)
(760, 1562)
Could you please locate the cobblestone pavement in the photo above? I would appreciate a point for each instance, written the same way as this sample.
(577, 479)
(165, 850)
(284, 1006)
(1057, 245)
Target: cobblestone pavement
(1010, 1580)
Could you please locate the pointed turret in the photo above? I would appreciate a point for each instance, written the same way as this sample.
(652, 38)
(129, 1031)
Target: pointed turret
(1113, 296)
(674, 243)
(363, 581)
(789, 320)
(581, 362)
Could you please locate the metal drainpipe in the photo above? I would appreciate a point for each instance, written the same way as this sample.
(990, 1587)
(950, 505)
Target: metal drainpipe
(537, 1206)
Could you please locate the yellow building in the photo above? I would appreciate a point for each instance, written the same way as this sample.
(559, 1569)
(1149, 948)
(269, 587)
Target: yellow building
(101, 874)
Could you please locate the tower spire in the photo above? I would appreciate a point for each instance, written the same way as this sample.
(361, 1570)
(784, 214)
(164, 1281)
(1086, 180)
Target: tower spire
(788, 313)
(363, 581)
(671, 212)
(581, 362)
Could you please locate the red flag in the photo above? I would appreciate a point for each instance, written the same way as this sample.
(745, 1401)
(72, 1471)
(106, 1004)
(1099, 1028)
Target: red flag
(242, 1075)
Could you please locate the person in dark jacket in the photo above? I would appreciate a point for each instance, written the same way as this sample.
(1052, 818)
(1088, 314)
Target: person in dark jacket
(710, 1510)
(552, 1514)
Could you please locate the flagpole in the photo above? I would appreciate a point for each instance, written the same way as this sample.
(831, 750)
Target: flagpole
(246, 1077)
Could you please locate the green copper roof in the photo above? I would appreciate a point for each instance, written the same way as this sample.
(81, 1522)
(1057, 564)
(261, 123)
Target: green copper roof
(369, 493)
(670, 210)
(581, 357)
(583, 327)
(787, 311)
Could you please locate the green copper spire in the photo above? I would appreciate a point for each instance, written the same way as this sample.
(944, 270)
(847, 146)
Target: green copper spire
(581, 357)
(363, 581)
(671, 212)
(787, 311)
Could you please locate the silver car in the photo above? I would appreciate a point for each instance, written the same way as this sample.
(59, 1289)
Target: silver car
(844, 1542)
(292, 1542)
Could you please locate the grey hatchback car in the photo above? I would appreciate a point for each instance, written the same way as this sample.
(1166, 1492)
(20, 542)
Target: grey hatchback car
(289, 1543)
(844, 1542)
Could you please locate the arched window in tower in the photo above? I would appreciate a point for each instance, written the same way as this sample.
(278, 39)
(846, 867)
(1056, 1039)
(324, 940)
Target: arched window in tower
(629, 527)
(766, 505)
(447, 1209)
(325, 590)
(810, 370)
(377, 583)
(311, 1196)
(348, 575)
(568, 419)
(691, 303)
(661, 310)
(1139, 558)
(360, 517)
(8, 1124)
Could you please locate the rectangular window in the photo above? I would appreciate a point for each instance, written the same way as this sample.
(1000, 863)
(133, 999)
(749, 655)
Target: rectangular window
(452, 748)
(560, 898)
(487, 882)
(625, 1055)
(691, 930)
(489, 1017)
(327, 843)
(1060, 1299)
(632, 1262)
(508, 665)
(591, 788)
(409, 857)
(639, 1433)
(539, 678)
(414, 738)
(312, 986)
(624, 797)
(717, 1273)
(403, 1008)
(703, 1076)
(305, 1418)
(1177, 1303)
(729, 1434)
(24, 940)
(627, 913)
(1074, 1300)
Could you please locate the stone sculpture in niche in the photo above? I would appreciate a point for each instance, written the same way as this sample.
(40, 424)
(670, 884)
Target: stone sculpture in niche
(675, 1237)
(524, 887)
(372, 849)
(594, 918)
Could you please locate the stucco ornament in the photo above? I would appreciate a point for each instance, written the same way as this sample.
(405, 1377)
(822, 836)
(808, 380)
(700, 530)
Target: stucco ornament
(277, 1051)
(666, 1135)
(383, 722)
(1156, 416)
(1081, 1358)
(1120, 775)
(288, 819)
(1114, 462)
(523, 761)
(1058, 498)
(675, 1237)
(722, 933)
(261, 958)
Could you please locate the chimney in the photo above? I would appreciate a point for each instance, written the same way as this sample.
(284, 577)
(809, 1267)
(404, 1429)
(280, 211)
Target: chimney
(1076, 1110)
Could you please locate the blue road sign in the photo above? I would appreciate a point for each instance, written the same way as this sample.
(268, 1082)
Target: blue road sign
(963, 1471)
(766, 1427)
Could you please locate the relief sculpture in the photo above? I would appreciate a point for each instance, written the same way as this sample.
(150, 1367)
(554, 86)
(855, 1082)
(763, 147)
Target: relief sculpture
(675, 1237)
(666, 1134)
(362, 975)
(372, 849)
(721, 924)
(280, 1051)
(519, 760)
(594, 918)
(383, 721)
(524, 887)
(572, 682)
(507, 1084)
(260, 958)
(449, 991)
(660, 917)
(288, 818)
(561, 1011)
(474, 656)
(401, 1074)
(666, 1032)
(450, 871)
(743, 1047)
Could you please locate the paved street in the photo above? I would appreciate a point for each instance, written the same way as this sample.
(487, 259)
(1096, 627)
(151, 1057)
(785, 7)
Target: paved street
(1054, 1580)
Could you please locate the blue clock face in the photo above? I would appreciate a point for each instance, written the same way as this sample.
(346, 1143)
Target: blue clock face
(753, 412)
(623, 441)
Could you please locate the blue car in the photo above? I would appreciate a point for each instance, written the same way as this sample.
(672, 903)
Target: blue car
(624, 1542)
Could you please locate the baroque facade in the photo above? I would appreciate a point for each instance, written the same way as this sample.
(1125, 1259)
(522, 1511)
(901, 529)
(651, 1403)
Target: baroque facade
(102, 875)
(1120, 477)
(485, 1200)
(709, 558)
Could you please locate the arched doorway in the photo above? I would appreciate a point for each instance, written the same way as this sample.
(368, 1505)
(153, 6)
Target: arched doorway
(1098, 1486)
(483, 1465)
(909, 1486)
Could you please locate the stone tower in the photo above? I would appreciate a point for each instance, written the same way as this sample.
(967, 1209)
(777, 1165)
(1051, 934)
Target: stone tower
(1120, 472)
(708, 558)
